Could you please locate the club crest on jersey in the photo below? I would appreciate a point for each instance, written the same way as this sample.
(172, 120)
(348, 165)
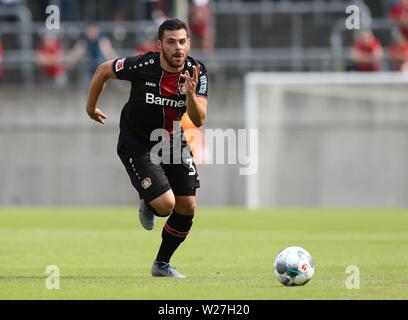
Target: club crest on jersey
(146, 183)
(120, 64)
(182, 88)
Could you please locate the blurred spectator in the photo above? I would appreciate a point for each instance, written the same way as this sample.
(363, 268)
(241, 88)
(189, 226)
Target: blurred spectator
(147, 45)
(398, 53)
(1, 59)
(399, 14)
(166, 6)
(149, 41)
(50, 57)
(96, 46)
(367, 52)
(200, 23)
(159, 16)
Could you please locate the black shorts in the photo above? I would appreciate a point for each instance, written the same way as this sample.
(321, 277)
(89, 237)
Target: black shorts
(152, 180)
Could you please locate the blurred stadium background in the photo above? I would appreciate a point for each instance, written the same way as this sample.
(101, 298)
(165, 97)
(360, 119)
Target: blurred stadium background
(322, 143)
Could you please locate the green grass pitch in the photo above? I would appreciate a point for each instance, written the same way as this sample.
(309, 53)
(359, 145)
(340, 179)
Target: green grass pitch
(103, 253)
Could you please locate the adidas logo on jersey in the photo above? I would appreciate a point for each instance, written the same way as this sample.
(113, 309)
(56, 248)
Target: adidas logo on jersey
(165, 102)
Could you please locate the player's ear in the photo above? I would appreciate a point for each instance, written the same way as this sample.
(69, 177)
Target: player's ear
(159, 44)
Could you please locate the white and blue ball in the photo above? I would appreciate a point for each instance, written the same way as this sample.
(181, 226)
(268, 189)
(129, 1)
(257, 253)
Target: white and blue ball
(294, 266)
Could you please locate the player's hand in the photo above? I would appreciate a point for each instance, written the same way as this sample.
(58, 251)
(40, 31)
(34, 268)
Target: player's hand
(191, 82)
(96, 115)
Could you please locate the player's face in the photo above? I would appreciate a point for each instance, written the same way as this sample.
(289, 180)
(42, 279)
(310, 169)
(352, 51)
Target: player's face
(175, 46)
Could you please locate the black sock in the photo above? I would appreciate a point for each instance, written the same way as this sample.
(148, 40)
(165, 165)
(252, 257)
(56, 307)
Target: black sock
(174, 232)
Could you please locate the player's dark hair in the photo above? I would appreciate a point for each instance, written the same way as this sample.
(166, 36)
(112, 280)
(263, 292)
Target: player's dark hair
(171, 25)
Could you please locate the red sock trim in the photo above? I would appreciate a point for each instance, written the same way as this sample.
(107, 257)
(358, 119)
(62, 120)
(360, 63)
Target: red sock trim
(175, 232)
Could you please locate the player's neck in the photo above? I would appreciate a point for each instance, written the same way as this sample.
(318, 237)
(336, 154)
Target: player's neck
(166, 67)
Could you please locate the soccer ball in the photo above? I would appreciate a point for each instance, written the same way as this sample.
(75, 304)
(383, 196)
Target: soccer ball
(294, 266)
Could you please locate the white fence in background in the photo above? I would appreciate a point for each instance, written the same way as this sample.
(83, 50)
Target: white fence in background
(328, 139)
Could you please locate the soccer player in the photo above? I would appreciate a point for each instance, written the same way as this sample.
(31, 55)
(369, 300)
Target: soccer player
(165, 85)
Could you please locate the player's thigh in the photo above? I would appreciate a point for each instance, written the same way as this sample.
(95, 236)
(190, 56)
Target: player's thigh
(148, 178)
(183, 177)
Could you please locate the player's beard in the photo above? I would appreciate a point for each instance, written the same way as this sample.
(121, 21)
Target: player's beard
(170, 59)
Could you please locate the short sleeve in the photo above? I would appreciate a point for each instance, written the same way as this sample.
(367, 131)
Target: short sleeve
(202, 86)
(124, 68)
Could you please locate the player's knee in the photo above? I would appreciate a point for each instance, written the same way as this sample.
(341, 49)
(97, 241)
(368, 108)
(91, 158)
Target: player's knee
(164, 205)
(186, 208)
(165, 208)
(189, 208)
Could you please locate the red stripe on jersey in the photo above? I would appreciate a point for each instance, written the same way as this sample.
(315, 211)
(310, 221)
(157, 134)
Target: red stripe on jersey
(168, 88)
(169, 83)
(170, 115)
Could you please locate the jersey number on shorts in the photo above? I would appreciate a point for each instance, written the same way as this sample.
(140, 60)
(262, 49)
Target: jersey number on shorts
(192, 169)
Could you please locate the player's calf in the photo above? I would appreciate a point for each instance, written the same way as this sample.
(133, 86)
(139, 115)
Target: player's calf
(174, 232)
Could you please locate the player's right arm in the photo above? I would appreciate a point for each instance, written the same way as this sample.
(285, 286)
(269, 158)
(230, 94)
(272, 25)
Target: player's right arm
(103, 73)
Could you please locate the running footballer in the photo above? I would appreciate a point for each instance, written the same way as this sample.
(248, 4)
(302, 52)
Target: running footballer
(164, 85)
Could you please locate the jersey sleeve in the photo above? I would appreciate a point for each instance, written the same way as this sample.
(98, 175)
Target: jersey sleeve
(124, 68)
(202, 86)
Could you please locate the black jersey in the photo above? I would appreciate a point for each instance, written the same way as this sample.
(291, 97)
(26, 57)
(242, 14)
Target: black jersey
(157, 97)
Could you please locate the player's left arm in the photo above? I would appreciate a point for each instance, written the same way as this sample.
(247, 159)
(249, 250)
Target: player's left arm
(196, 104)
